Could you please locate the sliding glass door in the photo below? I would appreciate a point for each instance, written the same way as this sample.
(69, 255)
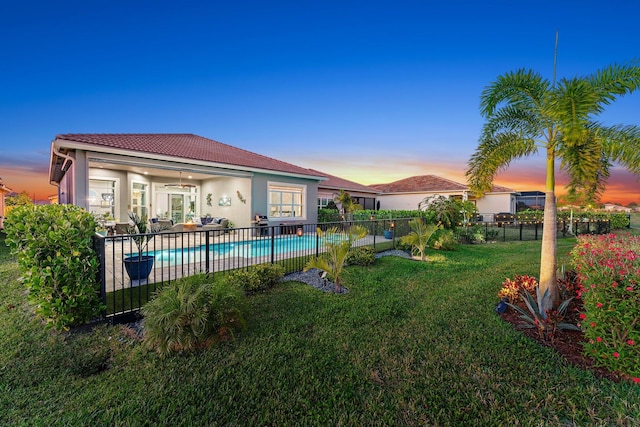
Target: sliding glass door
(177, 204)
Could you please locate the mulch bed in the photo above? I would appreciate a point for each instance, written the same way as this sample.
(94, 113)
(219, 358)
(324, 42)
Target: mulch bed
(567, 343)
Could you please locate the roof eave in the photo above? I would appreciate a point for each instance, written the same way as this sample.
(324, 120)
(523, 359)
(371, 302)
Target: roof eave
(74, 145)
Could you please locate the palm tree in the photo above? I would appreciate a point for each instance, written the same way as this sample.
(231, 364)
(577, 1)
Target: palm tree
(526, 113)
(420, 235)
(337, 246)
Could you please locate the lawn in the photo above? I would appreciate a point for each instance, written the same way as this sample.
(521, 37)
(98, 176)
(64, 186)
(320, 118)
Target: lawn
(410, 344)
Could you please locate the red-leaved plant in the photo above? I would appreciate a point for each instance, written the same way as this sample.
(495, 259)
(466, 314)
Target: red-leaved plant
(511, 289)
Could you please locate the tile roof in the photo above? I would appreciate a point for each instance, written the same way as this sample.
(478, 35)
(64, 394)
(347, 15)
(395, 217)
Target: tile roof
(422, 183)
(187, 146)
(501, 189)
(337, 183)
(431, 184)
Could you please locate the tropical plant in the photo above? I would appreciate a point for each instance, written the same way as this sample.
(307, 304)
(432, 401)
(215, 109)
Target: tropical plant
(346, 203)
(526, 113)
(139, 232)
(448, 211)
(419, 236)
(337, 244)
(192, 313)
(545, 321)
(511, 289)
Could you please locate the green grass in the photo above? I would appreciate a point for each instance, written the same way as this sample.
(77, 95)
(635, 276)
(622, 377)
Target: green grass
(410, 344)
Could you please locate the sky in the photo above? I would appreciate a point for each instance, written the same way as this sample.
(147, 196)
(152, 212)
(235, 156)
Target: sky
(371, 91)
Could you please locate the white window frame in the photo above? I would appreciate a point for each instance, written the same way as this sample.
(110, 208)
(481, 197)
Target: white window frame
(147, 191)
(323, 202)
(285, 187)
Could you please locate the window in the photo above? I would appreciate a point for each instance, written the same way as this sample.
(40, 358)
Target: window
(323, 202)
(102, 197)
(286, 201)
(178, 204)
(139, 203)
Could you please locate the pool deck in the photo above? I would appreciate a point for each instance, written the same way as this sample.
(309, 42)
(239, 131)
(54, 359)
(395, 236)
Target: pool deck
(116, 248)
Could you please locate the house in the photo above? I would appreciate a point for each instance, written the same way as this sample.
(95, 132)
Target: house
(530, 200)
(407, 193)
(361, 194)
(612, 207)
(179, 177)
(4, 190)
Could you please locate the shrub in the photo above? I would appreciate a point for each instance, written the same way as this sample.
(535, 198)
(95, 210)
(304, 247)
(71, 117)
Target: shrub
(54, 247)
(257, 278)
(192, 313)
(401, 245)
(361, 255)
(511, 289)
(608, 267)
(444, 240)
(618, 220)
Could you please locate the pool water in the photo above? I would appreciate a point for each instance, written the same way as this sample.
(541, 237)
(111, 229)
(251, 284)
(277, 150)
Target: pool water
(245, 249)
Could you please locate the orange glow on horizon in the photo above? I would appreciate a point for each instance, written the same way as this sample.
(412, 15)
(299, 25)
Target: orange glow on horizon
(622, 187)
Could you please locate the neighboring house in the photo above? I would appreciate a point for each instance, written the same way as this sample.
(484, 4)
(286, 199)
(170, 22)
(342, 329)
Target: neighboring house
(361, 194)
(406, 194)
(612, 207)
(530, 200)
(4, 190)
(179, 177)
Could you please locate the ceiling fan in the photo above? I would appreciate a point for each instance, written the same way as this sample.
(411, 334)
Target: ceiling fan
(179, 184)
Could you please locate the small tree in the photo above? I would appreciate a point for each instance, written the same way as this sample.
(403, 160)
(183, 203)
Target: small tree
(20, 199)
(446, 210)
(346, 202)
(338, 245)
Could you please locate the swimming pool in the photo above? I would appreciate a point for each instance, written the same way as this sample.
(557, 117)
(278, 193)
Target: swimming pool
(245, 249)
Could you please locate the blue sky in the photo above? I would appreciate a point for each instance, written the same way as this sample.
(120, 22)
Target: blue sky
(372, 91)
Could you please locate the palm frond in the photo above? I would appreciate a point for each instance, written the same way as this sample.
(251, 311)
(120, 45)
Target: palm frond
(616, 80)
(621, 144)
(495, 154)
(523, 88)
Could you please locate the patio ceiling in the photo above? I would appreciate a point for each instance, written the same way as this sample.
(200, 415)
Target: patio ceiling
(168, 170)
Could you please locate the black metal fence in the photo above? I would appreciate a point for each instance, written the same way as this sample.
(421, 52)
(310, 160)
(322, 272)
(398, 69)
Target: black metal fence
(512, 230)
(129, 278)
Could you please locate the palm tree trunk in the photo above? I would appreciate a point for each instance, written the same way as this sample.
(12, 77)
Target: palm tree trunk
(549, 227)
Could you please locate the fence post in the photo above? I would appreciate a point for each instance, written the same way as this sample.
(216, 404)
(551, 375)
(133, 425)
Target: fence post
(536, 230)
(206, 254)
(521, 232)
(99, 247)
(273, 243)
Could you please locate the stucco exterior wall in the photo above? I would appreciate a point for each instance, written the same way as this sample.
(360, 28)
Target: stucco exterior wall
(239, 212)
(260, 193)
(495, 203)
(400, 201)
